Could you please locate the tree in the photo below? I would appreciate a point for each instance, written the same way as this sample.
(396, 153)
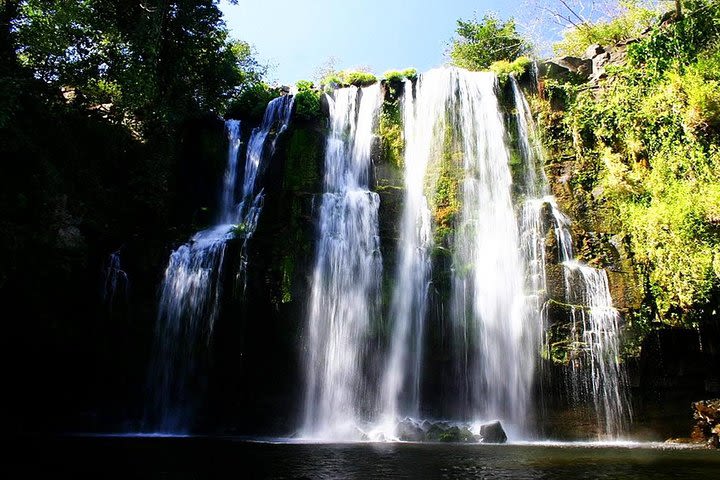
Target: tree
(155, 61)
(480, 43)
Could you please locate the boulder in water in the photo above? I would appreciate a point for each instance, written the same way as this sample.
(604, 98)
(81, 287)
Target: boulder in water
(492, 433)
(408, 431)
(434, 432)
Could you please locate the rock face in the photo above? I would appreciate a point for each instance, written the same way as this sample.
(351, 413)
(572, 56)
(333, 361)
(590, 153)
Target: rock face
(707, 422)
(492, 433)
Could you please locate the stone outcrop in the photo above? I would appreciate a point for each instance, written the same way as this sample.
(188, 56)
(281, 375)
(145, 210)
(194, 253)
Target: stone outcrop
(707, 422)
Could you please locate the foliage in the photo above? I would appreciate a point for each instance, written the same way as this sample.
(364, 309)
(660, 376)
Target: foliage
(250, 104)
(158, 64)
(347, 78)
(634, 18)
(390, 131)
(307, 101)
(503, 69)
(678, 44)
(410, 73)
(393, 76)
(480, 43)
(304, 155)
(400, 75)
(445, 192)
(651, 137)
(357, 78)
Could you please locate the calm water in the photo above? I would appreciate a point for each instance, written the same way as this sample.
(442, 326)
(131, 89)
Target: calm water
(176, 457)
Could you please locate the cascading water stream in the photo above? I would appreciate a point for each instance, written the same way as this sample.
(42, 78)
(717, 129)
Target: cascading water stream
(497, 340)
(400, 391)
(347, 272)
(116, 280)
(192, 287)
(596, 371)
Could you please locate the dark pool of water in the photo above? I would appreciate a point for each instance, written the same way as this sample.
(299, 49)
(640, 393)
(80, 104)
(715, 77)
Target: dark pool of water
(189, 456)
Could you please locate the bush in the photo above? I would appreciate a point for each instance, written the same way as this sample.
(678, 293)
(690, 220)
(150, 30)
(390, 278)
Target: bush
(651, 133)
(399, 76)
(634, 19)
(307, 105)
(358, 78)
(250, 104)
(346, 78)
(410, 73)
(480, 43)
(503, 69)
(304, 85)
(393, 76)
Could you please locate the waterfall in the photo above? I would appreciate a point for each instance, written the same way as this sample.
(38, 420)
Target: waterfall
(495, 340)
(116, 280)
(347, 272)
(192, 286)
(596, 372)
(400, 391)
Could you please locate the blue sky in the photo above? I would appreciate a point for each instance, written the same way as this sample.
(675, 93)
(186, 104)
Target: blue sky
(297, 37)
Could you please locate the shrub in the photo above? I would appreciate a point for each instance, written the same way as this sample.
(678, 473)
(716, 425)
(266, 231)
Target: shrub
(632, 21)
(251, 102)
(503, 69)
(398, 76)
(393, 76)
(358, 78)
(480, 43)
(410, 73)
(304, 85)
(346, 78)
(307, 105)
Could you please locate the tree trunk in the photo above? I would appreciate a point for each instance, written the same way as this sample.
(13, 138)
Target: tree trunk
(678, 9)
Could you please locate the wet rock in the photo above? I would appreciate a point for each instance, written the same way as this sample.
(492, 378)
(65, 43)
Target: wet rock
(707, 422)
(434, 432)
(409, 431)
(457, 434)
(493, 433)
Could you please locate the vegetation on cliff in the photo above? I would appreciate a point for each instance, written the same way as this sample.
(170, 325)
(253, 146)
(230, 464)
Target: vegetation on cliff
(646, 140)
(479, 43)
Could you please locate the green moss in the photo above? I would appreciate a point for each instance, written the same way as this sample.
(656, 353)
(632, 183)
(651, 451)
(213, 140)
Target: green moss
(390, 131)
(304, 154)
(446, 179)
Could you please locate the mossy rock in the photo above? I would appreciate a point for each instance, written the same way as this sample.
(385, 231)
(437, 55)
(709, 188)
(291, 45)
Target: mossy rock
(303, 161)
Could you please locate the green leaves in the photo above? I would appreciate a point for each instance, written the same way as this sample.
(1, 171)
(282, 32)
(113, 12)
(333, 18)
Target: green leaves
(480, 43)
(156, 62)
(652, 133)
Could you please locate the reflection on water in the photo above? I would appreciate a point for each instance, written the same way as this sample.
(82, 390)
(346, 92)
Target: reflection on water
(177, 456)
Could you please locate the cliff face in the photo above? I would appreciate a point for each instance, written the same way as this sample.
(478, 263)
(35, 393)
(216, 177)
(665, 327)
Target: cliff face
(602, 159)
(254, 372)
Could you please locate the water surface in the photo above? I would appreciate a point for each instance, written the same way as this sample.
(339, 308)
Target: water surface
(177, 456)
